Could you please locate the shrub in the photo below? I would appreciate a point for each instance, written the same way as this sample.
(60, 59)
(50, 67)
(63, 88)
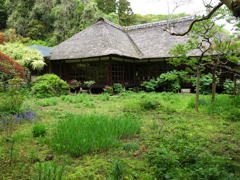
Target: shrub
(74, 84)
(39, 130)
(89, 84)
(49, 85)
(149, 104)
(150, 85)
(108, 90)
(12, 102)
(118, 169)
(79, 134)
(118, 88)
(229, 87)
(9, 68)
(170, 81)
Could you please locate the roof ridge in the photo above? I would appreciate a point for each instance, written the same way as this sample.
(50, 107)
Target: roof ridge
(148, 25)
(139, 52)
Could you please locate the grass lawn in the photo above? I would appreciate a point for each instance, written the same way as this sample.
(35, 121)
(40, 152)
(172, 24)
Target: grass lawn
(130, 136)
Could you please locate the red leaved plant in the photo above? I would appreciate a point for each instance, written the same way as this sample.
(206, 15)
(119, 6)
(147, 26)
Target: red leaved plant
(11, 67)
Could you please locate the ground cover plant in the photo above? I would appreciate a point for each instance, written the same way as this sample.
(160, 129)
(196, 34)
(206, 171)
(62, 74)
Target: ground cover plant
(100, 137)
(80, 134)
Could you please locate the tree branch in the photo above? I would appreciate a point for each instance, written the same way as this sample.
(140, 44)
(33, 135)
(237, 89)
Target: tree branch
(197, 20)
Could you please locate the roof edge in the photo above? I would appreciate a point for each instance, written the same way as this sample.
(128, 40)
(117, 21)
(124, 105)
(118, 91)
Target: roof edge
(148, 25)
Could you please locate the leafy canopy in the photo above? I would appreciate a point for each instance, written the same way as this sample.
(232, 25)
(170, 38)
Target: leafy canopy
(25, 56)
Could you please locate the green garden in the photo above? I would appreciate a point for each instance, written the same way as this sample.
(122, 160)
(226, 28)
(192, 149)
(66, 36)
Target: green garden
(117, 136)
(125, 108)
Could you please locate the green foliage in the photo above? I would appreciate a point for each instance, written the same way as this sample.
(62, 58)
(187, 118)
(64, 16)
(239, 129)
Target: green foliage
(224, 106)
(49, 85)
(3, 14)
(89, 84)
(47, 102)
(80, 134)
(147, 104)
(39, 130)
(125, 12)
(141, 19)
(229, 87)
(107, 6)
(118, 88)
(118, 169)
(150, 85)
(79, 98)
(55, 21)
(108, 90)
(131, 147)
(12, 101)
(170, 81)
(185, 161)
(205, 83)
(27, 57)
(49, 171)
(38, 42)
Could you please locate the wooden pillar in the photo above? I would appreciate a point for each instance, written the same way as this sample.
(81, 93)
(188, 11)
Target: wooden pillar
(110, 80)
(50, 67)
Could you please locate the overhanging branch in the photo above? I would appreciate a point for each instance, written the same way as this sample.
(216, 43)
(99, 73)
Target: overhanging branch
(197, 20)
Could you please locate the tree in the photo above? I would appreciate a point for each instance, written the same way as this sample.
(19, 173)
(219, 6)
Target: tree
(227, 55)
(89, 15)
(9, 68)
(107, 6)
(26, 57)
(233, 5)
(200, 43)
(3, 14)
(19, 15)
(125, 12)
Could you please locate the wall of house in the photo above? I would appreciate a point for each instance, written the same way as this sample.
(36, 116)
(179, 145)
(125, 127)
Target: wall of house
(109, 72)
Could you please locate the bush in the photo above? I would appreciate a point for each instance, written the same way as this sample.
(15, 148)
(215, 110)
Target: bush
(150, 85)
(149, 104)
(12, 102)
(80, 134)
(49, 85)
(229, 87)
(39, 130)
(169, 81)
(108, 90)
(118, 88)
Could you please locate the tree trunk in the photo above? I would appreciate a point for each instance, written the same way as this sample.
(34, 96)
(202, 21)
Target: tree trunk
(233, 5)
(214, 84)
(197, 89)
(235, 85)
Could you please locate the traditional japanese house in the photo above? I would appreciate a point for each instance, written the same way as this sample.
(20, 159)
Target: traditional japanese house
(108, 53)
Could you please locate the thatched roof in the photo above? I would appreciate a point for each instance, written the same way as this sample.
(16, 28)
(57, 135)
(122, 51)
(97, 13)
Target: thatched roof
(106, 38)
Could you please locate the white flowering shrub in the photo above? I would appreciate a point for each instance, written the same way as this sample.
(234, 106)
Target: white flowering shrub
(27, 57)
